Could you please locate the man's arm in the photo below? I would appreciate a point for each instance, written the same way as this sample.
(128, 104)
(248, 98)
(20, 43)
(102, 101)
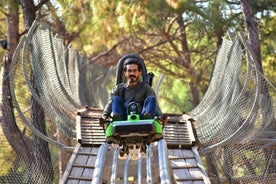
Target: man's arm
(108, 108)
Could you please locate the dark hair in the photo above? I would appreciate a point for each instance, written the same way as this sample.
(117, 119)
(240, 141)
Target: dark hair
(130, 61)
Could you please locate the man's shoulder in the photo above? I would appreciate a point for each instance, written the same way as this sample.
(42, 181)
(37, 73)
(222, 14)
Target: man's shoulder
(147, 86)
(119, 87)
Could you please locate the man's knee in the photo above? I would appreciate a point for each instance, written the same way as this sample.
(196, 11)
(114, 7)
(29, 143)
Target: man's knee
(117, 100)
(149, 105)
(150, 99)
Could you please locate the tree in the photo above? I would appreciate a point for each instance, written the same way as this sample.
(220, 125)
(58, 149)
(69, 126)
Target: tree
(18, 141)
(265, 102)
(25, 148)
(8, 123)
(40, 147)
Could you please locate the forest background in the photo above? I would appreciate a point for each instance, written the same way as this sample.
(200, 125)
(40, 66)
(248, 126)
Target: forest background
(175, 38)
(178, 39)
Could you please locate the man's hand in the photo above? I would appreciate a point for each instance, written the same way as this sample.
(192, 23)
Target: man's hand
(163, 119)
(103, 119)
(105, 116)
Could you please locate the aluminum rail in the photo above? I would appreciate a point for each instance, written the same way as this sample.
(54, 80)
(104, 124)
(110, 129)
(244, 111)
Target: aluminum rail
(164, 165)
(149, 180)
(126, 169)
(114, 165)
(99, 165)
(136, 166)
(140, 168)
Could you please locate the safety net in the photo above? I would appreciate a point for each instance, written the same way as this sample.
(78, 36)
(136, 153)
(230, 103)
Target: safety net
(235, 121)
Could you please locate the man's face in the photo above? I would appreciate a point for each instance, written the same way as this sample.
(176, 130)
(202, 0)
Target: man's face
(132, 74)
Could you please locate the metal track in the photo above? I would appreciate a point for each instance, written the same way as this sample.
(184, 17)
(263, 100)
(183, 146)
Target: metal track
(171, 160)
(136, 167)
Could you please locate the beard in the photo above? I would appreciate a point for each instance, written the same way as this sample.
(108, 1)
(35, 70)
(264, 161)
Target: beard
(133, 78)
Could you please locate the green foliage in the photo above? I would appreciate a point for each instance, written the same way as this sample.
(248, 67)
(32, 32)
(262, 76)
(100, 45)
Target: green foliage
(173, 93)
(6, 155)
(174, 96)
(3, 30)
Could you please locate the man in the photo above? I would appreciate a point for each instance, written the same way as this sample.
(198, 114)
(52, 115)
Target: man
(132, 91)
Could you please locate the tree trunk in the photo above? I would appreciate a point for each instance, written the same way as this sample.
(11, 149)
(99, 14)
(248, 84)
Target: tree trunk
(19, 143)
(211, 165)
(186, 63)
(194, 93)
(28, 13)
(41, 150)
(265, 101)
(218, 22)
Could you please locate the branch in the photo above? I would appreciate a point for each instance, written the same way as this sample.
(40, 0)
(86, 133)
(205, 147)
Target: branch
(105, 53)
(41, 4)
